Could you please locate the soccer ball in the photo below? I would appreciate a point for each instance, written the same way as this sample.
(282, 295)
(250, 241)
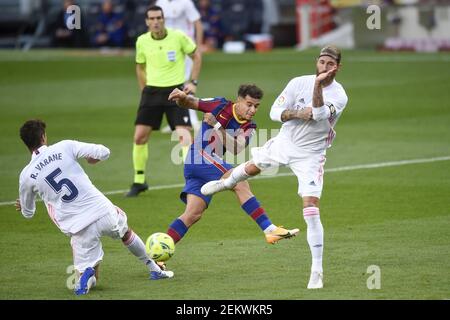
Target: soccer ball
(160, 246)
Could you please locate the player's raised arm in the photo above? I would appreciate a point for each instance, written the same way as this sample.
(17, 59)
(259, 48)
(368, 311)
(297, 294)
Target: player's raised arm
(93, 153)
(320, 111)
(183, 100)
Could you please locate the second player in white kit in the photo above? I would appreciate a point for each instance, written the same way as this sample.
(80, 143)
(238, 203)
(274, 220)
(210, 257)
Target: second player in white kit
(309, 108)
(74, 204)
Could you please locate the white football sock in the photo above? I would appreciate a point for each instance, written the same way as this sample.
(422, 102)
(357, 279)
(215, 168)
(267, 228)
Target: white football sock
(314, 235)
(237, 175)
(137, 248)
(270, 228)
(152, 266)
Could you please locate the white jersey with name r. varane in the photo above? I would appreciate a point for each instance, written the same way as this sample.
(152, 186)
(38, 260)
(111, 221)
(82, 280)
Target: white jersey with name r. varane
(309, 135)
(54, 174)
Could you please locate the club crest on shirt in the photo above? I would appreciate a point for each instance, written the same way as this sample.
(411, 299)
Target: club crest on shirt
(280, 100)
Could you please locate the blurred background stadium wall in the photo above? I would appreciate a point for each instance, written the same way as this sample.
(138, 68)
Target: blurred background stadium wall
(419, 25)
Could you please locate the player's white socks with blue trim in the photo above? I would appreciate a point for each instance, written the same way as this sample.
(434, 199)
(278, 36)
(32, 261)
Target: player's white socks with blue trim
(314, 235)
(237, 175)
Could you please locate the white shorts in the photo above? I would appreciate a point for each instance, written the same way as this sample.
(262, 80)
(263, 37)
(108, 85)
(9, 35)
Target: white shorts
(86, 244)
(306, 165)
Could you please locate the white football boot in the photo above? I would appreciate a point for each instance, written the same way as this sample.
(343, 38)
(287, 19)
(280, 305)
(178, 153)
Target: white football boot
(213, 187)
(316, 280)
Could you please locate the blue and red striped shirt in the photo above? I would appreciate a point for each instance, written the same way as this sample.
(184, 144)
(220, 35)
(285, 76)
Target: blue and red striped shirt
(207, 139)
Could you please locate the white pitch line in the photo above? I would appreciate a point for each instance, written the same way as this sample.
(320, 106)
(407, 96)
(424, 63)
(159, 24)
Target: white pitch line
(287, 174)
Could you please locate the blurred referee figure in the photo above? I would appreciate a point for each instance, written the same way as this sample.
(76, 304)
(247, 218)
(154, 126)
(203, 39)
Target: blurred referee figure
(160, 67)
(309, 108)
(183, 15)
(74, 204)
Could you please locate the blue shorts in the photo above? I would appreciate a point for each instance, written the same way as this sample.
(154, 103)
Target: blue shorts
(206, 168)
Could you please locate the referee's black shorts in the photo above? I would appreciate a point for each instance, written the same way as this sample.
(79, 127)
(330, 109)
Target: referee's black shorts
(154, 104)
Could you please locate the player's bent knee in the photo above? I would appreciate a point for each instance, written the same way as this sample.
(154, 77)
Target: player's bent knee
(242, 187)
(139, 140)
(195, 216)
(127, 235)
(252, 169)
(309, 201)
(141, 134)
(191, 217)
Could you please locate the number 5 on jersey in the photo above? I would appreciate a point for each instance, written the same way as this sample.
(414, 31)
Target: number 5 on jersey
(57, 186)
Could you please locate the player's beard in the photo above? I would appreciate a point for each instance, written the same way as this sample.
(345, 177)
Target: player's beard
(317, 71)
(330, 80)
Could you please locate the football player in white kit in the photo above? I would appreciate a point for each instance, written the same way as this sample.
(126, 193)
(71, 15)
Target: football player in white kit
(309, 108)
(74, 204)
(183, 15)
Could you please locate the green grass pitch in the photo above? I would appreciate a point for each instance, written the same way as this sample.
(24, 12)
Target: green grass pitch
(394, 217)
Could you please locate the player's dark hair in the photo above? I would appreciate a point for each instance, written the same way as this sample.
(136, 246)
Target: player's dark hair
(31, 133)
(154, 8)
(250, 90)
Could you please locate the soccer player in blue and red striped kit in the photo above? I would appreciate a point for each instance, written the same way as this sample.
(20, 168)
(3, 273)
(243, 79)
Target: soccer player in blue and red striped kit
(227, 126)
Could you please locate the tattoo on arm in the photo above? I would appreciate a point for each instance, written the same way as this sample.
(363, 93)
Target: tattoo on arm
(317, 95)
(288, 115)
(302, 114)
(190, 102)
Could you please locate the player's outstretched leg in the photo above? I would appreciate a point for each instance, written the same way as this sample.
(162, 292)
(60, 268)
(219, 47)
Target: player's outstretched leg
(237, 175)
(86, 282)
(137, 247)
(255, 211)
(213, 187)
(177, 229)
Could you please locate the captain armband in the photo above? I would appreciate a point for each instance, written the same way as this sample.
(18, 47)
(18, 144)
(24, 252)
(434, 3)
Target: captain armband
(332, 109)
(324, 112)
